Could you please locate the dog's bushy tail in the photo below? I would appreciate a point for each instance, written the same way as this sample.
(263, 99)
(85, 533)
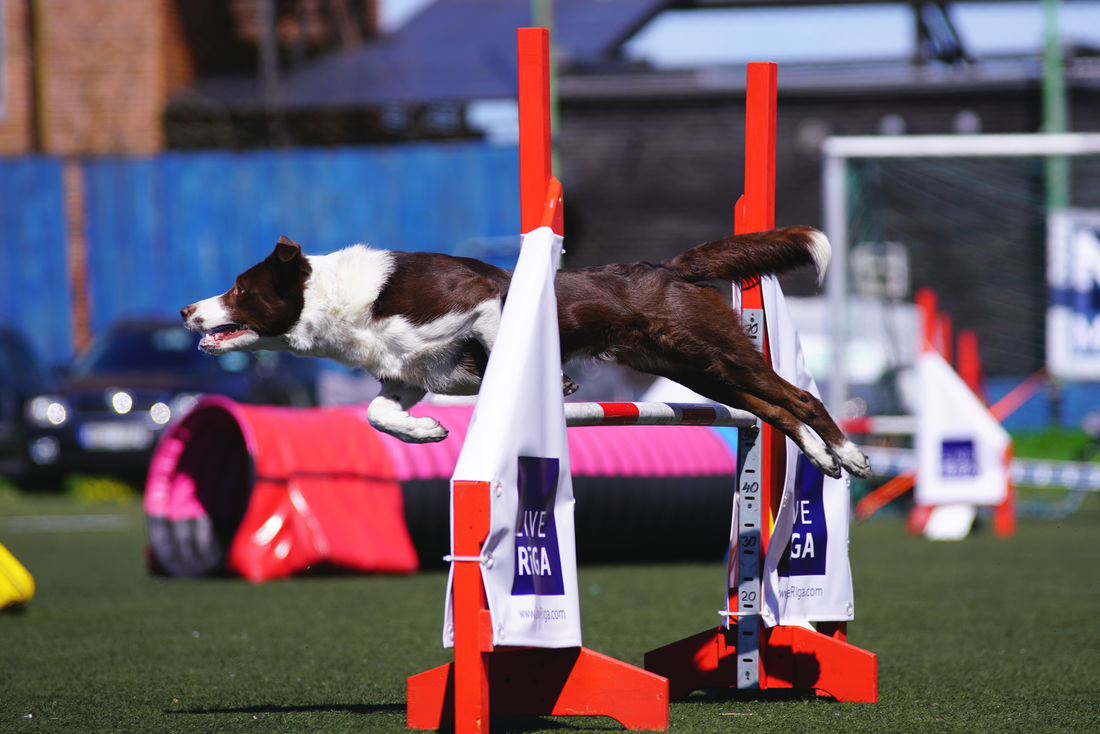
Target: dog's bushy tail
(745, 256)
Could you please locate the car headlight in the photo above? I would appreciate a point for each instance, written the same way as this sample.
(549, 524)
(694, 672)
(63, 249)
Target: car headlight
(161, 413)
(121, 401)
(47, 411)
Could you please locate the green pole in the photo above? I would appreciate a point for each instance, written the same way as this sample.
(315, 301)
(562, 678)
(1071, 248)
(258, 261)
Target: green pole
(1055, 117)
(1055, 120)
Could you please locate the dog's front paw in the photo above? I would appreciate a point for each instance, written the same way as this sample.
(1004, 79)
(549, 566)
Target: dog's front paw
(421, 430)
(568, 386)
(401, 425)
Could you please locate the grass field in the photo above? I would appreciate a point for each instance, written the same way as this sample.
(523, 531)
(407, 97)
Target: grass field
(978, 636)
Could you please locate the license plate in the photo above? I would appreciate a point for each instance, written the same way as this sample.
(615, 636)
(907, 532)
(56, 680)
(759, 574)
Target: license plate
(115, 437)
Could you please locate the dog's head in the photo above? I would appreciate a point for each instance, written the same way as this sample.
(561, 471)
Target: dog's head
(262, 306)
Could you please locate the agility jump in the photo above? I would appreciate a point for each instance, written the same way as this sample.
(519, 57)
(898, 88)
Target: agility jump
(551, 677)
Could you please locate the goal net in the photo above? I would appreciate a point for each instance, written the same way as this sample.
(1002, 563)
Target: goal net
(1005, 229)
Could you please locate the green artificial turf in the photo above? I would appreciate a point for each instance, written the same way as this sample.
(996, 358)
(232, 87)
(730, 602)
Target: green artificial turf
(982, 635)
(1057, 444)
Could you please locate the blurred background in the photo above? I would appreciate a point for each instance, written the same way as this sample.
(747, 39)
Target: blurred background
(152, 149)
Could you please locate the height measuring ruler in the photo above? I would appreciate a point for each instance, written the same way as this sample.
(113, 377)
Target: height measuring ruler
(750, 541)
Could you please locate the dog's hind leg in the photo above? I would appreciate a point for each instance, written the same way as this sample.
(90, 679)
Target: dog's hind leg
(716, 359)
(812, 413)
(817, 452)
(800, 415)
(779, 418)
(389, 413)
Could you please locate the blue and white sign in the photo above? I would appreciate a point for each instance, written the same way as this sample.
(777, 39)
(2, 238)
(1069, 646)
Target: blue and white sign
(807, 577)
(538, 563)
(517, 443)
(1073, 279)
(961, 448)
(958, 458)
(805, 554)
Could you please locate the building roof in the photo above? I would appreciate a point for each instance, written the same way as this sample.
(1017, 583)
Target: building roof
(453, 50)
(463, 50)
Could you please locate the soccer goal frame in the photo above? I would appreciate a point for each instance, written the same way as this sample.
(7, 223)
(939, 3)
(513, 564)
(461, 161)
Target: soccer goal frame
(839, 151)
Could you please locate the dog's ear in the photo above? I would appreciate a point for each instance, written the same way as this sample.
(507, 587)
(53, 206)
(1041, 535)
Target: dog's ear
(287, 249)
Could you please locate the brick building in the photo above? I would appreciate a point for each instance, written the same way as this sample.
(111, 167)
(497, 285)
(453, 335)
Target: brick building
(95, 76)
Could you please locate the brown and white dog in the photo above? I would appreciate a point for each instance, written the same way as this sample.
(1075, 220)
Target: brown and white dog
(425, 322)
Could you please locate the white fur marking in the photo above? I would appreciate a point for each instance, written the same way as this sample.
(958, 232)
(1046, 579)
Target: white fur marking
(853, 459)
(387, 415)
(337, 323)
(817, 452)
(822, 252)
(209, 313)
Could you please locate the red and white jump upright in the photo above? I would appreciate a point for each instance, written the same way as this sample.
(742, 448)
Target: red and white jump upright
(486, 677)
(745, 654)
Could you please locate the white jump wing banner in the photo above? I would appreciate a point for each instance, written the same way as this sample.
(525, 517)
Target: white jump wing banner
(807, 576)
(517, 442)
(960, 445)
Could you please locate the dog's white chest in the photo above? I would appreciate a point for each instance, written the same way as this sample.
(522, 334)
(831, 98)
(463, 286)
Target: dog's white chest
(394, 348)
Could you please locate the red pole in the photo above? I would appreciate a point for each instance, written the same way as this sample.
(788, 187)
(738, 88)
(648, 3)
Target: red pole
(755, 212)
(471, 683)
(970, 362)
(756, 207)
(535, 169)
(926, 312)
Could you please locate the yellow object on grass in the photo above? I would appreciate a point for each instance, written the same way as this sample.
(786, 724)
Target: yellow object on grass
(16, 582)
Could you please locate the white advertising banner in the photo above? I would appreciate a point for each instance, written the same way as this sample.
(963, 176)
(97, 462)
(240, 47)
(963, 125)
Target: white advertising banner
(516, 441)
(806, 575)
(1073, 279)
(806, 572)
(960, 445)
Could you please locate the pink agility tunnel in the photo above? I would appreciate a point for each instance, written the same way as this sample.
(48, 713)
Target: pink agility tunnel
(266, 492)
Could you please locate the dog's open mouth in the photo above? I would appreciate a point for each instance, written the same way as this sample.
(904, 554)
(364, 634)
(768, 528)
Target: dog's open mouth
(218, 336)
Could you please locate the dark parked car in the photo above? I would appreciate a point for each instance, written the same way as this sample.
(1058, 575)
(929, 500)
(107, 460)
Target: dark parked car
(21, 377)
(109, 410)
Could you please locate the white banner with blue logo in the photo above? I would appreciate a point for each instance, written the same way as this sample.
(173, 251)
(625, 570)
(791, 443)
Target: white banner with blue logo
(960, 446)
(806, 572)
(516, 441)
(1073, 279)
(806, 575)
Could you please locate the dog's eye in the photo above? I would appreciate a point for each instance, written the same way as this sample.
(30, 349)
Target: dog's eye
(239, 291)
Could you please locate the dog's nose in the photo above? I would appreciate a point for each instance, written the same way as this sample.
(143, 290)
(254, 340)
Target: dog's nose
(186, 311)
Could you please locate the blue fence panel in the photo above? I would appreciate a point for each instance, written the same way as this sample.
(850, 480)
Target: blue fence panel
(167, 231)
(1075, 402)
(34, 287)
(126, 268)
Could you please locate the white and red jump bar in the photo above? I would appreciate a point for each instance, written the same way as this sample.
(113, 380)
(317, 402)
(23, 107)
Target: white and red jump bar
(655, 414)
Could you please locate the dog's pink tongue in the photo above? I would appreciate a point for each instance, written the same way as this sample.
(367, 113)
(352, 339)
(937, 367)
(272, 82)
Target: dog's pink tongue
(213, 338)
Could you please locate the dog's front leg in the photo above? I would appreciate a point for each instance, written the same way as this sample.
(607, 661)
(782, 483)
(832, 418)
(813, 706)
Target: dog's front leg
(389, 412)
